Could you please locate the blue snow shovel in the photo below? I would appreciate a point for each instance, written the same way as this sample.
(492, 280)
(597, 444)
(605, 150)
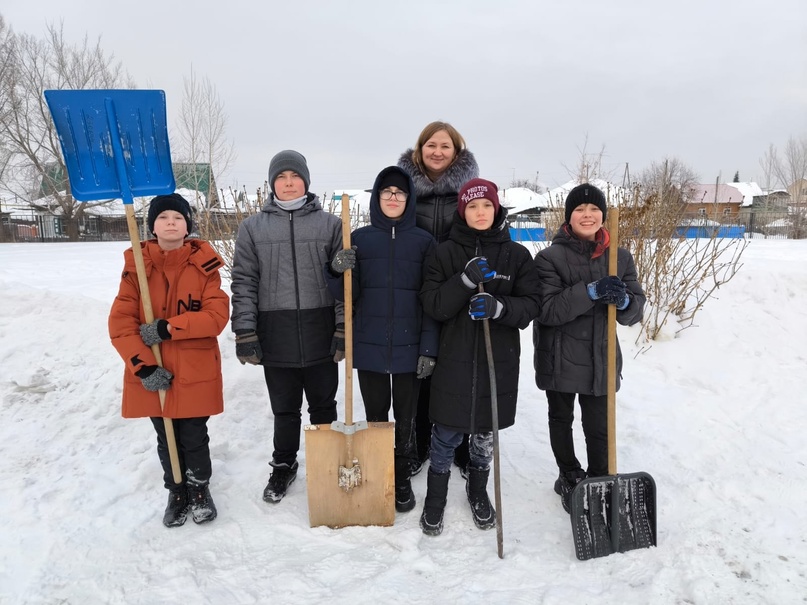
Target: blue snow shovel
(615, 513)
(115, 145)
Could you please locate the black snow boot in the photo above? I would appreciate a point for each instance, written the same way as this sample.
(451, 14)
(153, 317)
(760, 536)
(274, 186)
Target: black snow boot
(431, 521)
(477, 490)
(404, 496)
(201, 503)
(281, 478)
(565, 484)
(177, 510)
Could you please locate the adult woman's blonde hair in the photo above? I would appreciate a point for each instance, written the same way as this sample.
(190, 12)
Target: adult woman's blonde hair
(427, 133)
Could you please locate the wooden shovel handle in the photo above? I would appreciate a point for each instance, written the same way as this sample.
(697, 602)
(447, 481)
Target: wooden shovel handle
(348, 280)
(148, 312)
(613, 231)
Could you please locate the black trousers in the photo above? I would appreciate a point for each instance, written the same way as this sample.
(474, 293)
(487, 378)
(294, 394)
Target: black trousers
(594, 414)
(286, 387)
(192, 446)
(403, 389)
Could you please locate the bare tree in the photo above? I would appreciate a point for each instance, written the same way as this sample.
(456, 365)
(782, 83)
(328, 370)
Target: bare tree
(35, 164)
(203, 142)
(788, 170)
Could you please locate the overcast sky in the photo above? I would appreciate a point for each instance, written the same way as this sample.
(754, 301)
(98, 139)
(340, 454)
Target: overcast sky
(527, 82)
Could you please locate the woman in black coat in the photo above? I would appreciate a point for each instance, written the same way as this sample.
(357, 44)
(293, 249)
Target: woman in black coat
(439, 165)
(570, 335)
(478, 251)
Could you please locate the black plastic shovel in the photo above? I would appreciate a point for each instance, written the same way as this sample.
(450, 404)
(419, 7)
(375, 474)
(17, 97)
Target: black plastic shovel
(616, 513)
(115, 145)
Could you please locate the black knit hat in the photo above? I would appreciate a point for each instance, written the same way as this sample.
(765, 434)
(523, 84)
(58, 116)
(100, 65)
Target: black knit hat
(585, 194)
(394, 178)
(161, 203)
(288, 160)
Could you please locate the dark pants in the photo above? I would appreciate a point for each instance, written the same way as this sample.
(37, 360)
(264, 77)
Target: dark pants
(192, 446)
(376, 390)
(594, 414)
(286, 387)
(446, 440)
(423, 429)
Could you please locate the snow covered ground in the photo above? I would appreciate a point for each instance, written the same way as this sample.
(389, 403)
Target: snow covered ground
(717, 416)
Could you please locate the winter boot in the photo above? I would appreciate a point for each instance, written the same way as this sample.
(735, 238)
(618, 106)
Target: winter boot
(404, 496)
(431, 521)
(177, 510)
(201, 503)
(477, 490)
(281, 478)
(565, 484)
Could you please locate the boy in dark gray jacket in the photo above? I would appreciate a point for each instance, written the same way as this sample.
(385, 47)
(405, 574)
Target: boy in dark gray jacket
(284, 317)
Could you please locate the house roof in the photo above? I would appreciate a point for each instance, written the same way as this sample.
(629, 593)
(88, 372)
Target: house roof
(749, 191)
(711, 194)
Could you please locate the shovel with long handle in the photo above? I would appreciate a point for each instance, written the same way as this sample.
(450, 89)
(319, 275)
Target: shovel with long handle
(115, 144)
(616, 513)
(494, 411)
(350, 467)
(350, 473)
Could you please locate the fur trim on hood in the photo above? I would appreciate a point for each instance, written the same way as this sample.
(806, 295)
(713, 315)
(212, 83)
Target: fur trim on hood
(455, 176)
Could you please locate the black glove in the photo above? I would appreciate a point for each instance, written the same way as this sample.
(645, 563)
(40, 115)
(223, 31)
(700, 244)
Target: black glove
(248, 348)
(425, 366)
(477, 271)
(338, 343)
(484, 306)
(620, 299)
(155, 332)
(155, 378)
(608, 286)
(343, 260)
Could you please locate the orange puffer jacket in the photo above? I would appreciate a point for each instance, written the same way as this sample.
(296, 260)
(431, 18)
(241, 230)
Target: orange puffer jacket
(185, 289)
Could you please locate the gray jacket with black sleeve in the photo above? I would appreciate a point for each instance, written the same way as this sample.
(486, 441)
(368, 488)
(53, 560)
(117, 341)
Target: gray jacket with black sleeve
(278, 289)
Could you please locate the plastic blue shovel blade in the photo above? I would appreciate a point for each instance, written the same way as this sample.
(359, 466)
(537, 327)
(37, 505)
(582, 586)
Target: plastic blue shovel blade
(114, 142)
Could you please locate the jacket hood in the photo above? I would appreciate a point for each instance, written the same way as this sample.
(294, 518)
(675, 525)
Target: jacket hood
(455, 176)
(377, 216)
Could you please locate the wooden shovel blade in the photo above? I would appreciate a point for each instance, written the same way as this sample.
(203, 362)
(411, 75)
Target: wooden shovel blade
(372, 502)
(612, 514)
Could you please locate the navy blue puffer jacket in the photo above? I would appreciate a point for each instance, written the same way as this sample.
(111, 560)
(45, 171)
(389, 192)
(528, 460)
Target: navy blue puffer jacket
(390, 330)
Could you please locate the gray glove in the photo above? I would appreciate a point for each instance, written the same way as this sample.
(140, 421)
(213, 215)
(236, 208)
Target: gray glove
(155, 378)
(343, 260)
(155, 332)
(425, 366)
(248, 348)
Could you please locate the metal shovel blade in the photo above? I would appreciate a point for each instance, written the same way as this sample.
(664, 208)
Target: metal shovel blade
(612, 514)
(86, 121)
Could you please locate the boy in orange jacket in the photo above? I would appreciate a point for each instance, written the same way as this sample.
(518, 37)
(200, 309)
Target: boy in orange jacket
(191, 310)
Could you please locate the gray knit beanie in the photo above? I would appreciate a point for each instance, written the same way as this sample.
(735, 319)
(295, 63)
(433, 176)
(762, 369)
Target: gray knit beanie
(288, 160)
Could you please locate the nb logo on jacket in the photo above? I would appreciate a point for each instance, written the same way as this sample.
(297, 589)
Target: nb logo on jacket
(191, 305)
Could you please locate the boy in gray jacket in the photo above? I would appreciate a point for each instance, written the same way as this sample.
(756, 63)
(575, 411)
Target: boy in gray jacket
(284, 317)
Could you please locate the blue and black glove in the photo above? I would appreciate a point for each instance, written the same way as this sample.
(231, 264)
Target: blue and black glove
(155, 378)
(477, 271)
(484, 306)
(609, 290)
